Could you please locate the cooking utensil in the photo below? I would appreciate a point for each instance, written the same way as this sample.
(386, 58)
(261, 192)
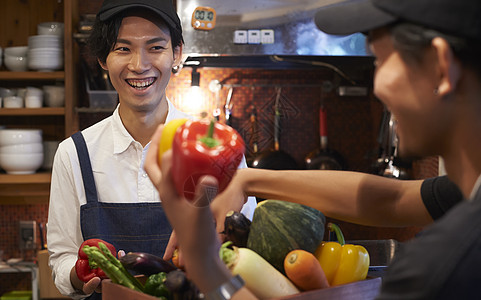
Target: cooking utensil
(43, 245)
(215, 87)
(228, 107)
(394, 166)
(324, 158)
(275, 159)
(254, 133)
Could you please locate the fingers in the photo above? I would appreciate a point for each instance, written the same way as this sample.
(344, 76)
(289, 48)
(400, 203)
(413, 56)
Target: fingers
(167, 189)
(91, 285)
(205, 191)
(151, 165)
(169, 250)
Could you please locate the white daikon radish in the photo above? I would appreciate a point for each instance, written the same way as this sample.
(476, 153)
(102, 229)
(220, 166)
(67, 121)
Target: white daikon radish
(260, 277)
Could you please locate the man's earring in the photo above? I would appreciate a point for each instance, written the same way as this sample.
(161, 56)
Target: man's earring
(175, 69)
(436, 91)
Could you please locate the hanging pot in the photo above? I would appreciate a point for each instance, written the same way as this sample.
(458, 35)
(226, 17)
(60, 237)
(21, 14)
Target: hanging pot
(324, 158)
(275, 159)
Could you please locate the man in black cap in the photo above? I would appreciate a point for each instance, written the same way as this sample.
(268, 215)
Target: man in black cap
(99, 188)
(428, 74)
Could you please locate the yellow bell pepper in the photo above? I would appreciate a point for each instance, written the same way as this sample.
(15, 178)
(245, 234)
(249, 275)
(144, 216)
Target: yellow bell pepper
(168, 135)
(342, 263)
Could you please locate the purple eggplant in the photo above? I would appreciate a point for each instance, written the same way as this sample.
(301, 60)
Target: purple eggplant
(145, 263)
(236, 228)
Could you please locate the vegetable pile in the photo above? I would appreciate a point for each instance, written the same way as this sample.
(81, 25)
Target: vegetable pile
(164, 280)
(285, 253)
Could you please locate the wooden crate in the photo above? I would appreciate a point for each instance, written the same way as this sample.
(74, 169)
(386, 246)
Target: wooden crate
(361, 290)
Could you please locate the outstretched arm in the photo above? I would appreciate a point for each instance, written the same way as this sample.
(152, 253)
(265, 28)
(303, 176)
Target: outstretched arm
(349, 196)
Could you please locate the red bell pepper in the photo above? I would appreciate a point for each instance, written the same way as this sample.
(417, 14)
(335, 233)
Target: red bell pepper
(87, 270)
(205, 148)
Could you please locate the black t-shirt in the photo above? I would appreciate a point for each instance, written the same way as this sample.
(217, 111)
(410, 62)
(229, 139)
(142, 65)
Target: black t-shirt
(444, 260)
(439, 194)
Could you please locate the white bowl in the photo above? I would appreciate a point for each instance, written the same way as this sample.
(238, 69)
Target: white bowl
(35, 101)
(4, 92)
(22, 148)
(54, 95)
(16, 63)
(24, 163)
(33, 91)
(45, 64)
(13, 102)
(50, 28)
(16, 51)
(45, 41)
(49, 150)
(20, 136)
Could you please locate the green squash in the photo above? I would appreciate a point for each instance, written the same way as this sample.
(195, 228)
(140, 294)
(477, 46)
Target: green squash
(279, 227)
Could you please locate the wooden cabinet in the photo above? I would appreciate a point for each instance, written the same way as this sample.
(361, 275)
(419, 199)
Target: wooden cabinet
(18, 21)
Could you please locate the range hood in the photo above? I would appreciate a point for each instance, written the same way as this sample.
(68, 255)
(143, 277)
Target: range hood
(260, 28)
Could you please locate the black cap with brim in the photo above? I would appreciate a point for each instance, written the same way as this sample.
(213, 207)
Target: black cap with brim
(456, 17)
(351, 16)
(163, 8)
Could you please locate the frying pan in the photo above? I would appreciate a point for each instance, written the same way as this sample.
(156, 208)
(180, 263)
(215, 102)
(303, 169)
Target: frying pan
(324, 158)
(254, 134)
(275, 159)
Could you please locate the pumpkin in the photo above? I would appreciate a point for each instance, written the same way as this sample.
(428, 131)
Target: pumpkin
(279, 227)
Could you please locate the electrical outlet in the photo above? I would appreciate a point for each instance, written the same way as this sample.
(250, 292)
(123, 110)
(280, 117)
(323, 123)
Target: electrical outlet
(27, 235)
(267, 36)
(240, 37)
(254, 36)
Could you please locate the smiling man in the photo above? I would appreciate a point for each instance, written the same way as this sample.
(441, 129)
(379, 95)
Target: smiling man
(99, 188)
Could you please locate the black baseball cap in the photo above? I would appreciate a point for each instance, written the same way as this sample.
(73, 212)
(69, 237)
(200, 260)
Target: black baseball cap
(165, 8)
(460, 18)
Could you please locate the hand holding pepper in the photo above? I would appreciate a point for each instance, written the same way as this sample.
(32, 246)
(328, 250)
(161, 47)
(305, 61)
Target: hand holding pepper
(87, 270)
(204, 148)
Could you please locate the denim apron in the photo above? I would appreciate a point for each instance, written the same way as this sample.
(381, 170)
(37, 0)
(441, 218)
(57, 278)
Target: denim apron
(132, 227)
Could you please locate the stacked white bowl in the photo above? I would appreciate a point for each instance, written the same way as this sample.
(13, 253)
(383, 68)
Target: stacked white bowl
(45, 50)
(54, 95)
(15, 58)
(21, 150)
(33, 97)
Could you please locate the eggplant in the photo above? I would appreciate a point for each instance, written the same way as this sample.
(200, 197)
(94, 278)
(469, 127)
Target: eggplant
(236, 228)
(146, 263)
(181, 287)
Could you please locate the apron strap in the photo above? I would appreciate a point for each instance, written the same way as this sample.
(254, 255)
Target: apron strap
(85, 167)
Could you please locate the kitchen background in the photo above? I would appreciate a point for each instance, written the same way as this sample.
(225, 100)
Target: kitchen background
(353, 121)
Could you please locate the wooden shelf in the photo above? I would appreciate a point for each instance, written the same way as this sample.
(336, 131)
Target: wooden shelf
(32, 75)
(42, 111)
(56, 122)
(41, 177)
(25, 189)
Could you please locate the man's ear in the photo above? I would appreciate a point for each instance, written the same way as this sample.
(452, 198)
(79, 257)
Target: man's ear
(177, 55)
(102, 65)
(449, 66)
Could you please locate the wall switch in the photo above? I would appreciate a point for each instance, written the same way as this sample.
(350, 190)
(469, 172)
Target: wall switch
(240, 37)
(267, 36)
(254, 36)
(27, 235)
